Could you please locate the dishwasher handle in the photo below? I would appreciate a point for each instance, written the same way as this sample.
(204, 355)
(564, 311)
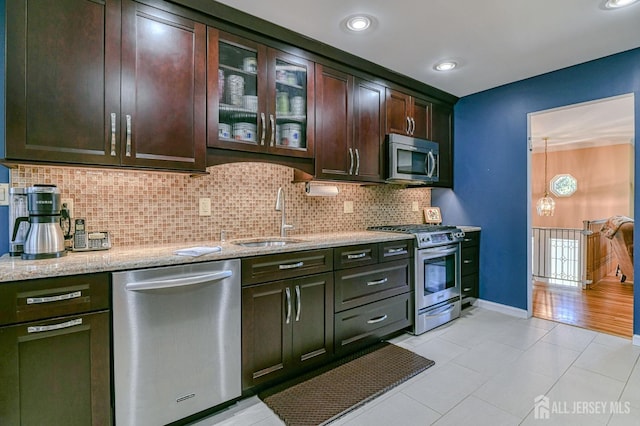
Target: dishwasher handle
(177, 282)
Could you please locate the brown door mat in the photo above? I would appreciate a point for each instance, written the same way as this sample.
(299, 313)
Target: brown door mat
(343, 386)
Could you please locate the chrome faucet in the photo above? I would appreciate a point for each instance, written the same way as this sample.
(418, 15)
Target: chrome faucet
(280, 206)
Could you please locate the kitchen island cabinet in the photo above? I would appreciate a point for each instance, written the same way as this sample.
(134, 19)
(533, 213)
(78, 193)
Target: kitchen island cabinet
(54, 340)
(287, 324)
(349, 127)
(113, 83)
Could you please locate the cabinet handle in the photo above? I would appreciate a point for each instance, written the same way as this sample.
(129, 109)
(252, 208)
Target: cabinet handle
(408, 125)
(378, 319)
(467, 261)
(351, 159)
(357, 162)
(356, 256)
(34, 300)
(466, 289)
(382, 281)
(42, 328)
(466, 240)
(298, 303)
(264, 127)
(396, 251)
(292, 265)
(113, 134)
(287, 292)
(128, 148)
(273, 129)
(413, 126)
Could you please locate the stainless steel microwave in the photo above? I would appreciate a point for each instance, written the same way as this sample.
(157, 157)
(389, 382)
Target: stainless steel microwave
(412, 161)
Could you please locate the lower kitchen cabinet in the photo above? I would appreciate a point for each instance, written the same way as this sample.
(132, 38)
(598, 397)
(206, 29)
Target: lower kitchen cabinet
(470, 269)
(287, 326)
(54, 368)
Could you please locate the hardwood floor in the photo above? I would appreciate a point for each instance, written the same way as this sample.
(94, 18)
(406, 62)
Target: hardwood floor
(606, 307)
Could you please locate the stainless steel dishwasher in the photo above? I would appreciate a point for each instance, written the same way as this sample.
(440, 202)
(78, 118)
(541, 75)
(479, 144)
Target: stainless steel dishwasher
(176, 333)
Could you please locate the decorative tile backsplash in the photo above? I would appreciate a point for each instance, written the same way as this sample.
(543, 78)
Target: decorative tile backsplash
(145, 207)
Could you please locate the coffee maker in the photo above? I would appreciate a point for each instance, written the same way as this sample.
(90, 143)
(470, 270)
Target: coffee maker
(45, 238)
(18, 220)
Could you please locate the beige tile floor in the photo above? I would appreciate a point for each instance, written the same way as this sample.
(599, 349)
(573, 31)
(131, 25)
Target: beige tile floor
(489, 369)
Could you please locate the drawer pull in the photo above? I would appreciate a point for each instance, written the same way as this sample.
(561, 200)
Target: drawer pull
(466, 240)
(396, 251)
(356, 256)
(466, 289)
(41, 328)
(292, 265)
(34, 300)
(378, 319)
(467, 261)
(382, 281)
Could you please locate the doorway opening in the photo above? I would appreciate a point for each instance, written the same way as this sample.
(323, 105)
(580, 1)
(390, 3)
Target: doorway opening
(578, 263)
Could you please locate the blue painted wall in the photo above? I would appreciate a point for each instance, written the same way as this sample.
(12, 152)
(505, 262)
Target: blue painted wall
(491, 164)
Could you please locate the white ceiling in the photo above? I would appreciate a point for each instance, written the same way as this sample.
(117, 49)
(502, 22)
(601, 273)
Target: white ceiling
(494, 41)
(607, 121)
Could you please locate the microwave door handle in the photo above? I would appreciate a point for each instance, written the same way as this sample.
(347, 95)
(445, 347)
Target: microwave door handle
(433, 163)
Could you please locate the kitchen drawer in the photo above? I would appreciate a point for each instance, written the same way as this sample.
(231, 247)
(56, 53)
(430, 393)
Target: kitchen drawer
(274, 267)
(470, 260)
(393, 250)
(469, 286)
(366, 284)
(367, 324)
(30, 300)
(358, 255)
(471, 239)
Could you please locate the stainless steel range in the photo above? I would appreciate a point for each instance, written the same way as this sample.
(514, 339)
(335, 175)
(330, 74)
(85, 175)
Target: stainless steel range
(437, 273)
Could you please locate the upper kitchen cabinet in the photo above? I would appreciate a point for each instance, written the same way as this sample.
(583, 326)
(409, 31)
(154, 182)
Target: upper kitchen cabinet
(163, 118)
(63, 81)
(441, 132)
(260, 99)
(349, 127)
(408, 115)
(105, 83)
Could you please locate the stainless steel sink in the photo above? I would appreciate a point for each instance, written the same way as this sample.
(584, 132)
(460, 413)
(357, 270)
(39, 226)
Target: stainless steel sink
(268, 242)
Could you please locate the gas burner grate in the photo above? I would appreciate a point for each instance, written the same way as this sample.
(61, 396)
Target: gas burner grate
(412, 228)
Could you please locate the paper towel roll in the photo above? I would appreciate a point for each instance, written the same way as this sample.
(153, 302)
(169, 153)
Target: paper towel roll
(321, 190)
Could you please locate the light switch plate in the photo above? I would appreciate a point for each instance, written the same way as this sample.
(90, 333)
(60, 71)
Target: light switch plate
(69, 203)
(4, 194)
(348, 206)
(204, 207)
(415, 207)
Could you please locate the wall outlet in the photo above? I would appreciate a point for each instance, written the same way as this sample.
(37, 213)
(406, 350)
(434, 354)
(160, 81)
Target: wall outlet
(348, 206)
(69, 203)
(4, 194)
(414, 206)
(204, 207)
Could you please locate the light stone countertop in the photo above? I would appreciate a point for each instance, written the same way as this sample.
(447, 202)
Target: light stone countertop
(123, 258)
(468, 228)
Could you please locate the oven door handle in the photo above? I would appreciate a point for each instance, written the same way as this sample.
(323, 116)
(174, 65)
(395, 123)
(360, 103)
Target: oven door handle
(439, 251)
(441, 311)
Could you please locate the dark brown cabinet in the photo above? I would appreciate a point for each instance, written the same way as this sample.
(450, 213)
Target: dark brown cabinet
(260, 99)
(105, 83)
(349, 127)
(373, 292)
(441, 132)
(54, 337)
(287, 325)
(470, 267)
(408, 115)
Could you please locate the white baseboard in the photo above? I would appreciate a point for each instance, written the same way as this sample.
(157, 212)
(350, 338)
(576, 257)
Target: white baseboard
(503, 309)
(636, 340)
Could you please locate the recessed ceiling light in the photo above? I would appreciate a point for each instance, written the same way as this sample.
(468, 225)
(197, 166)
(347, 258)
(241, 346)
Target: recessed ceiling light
(359, 23)
(614, 4)
(445, 66)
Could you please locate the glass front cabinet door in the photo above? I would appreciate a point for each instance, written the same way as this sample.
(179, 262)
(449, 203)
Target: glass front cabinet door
(260, 99)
